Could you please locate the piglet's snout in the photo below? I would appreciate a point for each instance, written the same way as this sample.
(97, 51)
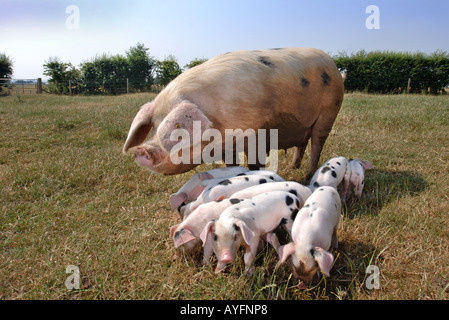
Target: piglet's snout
(226, 257)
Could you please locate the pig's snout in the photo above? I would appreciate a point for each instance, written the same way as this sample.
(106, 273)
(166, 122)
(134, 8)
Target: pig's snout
(143, 158)
(226, 257)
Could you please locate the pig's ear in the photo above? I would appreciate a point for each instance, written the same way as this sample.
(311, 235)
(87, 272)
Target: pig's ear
(184, 116)
(140, 127)
(286, 251)
(247, 234)
(207, 229)
(173, 229)
(324, 259)
(176, 199)
(367, 164)
(184, 237)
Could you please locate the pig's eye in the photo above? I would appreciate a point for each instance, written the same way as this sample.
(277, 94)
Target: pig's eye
(215, 237)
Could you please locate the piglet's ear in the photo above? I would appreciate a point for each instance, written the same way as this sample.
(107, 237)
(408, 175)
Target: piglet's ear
(185, 116)
(207, 229)
(184, 237)
(367, 164)
(324, 259)
(247, 234)
(286, 251)
(140, 127)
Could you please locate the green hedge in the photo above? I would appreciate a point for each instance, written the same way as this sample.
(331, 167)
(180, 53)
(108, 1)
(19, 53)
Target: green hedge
(389, 72)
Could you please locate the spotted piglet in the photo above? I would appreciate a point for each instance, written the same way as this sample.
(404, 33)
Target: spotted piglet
(224, 188)
(358, 168)
(186, 235)
(300, 191)
(314, 232)
(193, 188)
(332, 173)
(245, 223)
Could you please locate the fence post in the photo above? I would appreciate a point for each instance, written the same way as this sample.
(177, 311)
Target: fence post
(127, 86)
(70, 87)
(39, 85)
(409, 85)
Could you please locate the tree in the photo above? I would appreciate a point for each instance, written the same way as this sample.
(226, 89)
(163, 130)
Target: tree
(105, 74)
(194, 62)
(141, 66)
(6, 70)
(167, 70)
(60, 73)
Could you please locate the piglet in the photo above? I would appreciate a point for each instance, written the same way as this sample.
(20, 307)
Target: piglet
(300, 191)
(224, 188)
(332, 173)
(244, 224)
(193, 188)
(357, 179)
(186, 235)
(314, 232)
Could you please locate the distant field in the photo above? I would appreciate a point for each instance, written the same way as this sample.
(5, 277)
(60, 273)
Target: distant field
(68, 196)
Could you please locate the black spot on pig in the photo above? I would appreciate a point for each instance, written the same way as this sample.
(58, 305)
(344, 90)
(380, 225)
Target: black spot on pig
(178, 233)
(234, 200)
(325, 169)
(266, 61)
(262, 181)
(225, 182)
(334, 174)
(288, 200)
(246, 179)
(241, 174)
(293, 191)
(297, 202)
(236, 227)
(304, 82)
(325, 78)
(283, 221)
(294, 213)
(339, 163)
(316, 184)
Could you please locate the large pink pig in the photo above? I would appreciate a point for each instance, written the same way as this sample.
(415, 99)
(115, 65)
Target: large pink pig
(297, 91)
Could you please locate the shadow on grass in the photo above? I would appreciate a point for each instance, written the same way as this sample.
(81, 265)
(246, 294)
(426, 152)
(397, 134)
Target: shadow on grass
(381, 188)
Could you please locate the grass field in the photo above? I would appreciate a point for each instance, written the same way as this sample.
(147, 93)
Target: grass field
(69, 197)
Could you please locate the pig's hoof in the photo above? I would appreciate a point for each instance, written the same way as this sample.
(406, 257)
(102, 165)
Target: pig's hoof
(301, 285)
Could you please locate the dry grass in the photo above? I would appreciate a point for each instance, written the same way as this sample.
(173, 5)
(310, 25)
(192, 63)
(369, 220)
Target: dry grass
(69, 197)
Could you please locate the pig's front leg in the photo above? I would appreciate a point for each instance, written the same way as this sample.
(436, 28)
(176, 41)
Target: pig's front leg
(220, 267)
(250, 255)
(272, 239)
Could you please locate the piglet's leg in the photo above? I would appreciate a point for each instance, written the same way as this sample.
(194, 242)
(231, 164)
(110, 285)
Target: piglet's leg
(250, 255)
(273, 240)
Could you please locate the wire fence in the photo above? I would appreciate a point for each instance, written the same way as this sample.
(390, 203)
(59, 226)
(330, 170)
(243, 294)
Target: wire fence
(118, 86)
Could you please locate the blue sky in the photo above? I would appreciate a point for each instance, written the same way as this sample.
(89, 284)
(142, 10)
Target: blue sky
(33, 30)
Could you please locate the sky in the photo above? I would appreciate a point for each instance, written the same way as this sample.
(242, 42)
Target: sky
(32, 31)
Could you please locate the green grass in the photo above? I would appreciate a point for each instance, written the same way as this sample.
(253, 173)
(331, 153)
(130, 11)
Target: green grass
(69, 197)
